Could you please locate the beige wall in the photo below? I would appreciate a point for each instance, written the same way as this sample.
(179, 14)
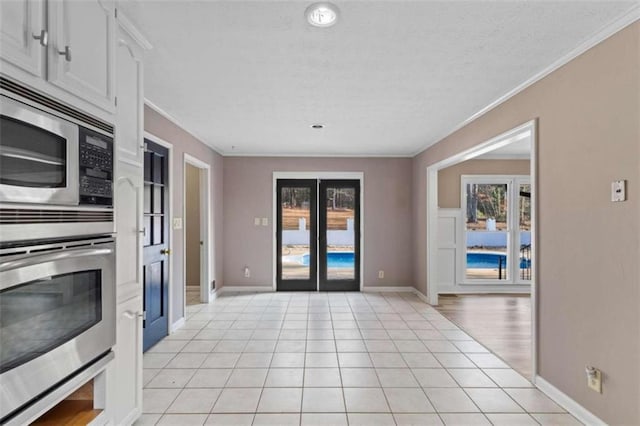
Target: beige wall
(192, 225)
(588, 115)
(449, 178)
(184, 142)
(248, 193)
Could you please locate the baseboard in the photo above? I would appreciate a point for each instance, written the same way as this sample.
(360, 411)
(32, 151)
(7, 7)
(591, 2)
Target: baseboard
(387, 289)
(566, 402)
(421, 295)
(177, 325)
(245, 288)
(479, 289)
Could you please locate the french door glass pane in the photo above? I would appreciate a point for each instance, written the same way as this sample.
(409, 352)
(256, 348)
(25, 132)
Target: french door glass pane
(524, 228)
(486, 224)
(296, 242)
(340, 238)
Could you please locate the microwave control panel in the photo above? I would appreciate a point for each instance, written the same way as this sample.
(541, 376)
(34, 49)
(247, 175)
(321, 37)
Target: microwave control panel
(96, 168)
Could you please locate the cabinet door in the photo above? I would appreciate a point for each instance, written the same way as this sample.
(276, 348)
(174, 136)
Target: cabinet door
(128, 362)
(128, 193)
(130, 101)
(81, 49)
(20, 22)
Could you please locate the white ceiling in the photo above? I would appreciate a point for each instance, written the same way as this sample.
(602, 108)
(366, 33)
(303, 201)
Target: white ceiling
(390, 78)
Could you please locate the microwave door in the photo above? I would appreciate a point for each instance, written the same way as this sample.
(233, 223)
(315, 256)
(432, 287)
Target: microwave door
(38, 156)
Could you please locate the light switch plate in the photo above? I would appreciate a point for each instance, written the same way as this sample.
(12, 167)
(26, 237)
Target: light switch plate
(177, 223)
(618, 191)
(595, 381)
(265, 221)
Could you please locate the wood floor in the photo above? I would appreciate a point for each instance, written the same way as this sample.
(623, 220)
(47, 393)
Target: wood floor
(502, 323)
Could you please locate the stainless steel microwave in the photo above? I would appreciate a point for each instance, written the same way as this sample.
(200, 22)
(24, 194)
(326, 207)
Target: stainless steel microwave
(47, 159)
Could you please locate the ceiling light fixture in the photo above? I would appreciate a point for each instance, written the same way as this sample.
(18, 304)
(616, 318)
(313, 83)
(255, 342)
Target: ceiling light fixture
(317, 126)
(322, 14)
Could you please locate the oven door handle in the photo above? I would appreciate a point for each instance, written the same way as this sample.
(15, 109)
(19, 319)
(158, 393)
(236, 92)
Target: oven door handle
(50, 257)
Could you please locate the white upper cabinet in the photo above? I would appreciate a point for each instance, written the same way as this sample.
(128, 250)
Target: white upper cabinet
(130, 98)
(82, 48)
(23, 35)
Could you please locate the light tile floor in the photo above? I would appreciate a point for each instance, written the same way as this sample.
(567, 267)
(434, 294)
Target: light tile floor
(332, 359)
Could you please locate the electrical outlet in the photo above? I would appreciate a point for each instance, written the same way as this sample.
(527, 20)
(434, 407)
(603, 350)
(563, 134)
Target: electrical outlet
(619, 191)
(265, 221)
(594, 379)
(380, 274)
(256, 221)
(247, 272)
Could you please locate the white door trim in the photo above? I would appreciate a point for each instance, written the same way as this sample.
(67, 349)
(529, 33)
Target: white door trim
(169, 146)
(206, 228)
(432, 216)
(315, 175)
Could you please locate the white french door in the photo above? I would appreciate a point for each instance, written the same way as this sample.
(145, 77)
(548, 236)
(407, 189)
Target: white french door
(496, 229)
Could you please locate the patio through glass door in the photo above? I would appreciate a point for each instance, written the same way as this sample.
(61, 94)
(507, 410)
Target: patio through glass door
(318, 235)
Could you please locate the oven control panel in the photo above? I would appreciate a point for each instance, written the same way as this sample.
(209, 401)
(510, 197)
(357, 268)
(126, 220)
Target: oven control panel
(96, 168)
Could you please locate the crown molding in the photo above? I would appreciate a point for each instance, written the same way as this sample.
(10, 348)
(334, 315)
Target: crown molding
(130, 28)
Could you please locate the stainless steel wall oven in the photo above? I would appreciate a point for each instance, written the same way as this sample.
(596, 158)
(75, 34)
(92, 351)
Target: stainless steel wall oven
(57, 314)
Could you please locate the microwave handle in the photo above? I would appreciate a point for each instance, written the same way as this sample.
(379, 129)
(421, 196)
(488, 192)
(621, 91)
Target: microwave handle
(49, 257)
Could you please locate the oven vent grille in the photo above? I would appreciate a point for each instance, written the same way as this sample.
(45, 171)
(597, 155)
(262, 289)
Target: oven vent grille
(54, 105)
(24, 216)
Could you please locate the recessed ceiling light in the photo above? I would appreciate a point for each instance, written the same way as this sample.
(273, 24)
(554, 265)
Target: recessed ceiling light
(317, 126)
(322, 14)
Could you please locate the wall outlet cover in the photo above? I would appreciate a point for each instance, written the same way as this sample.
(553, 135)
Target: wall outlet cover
(177, 223)
(256, 221)
(265, 221)
(618, 191)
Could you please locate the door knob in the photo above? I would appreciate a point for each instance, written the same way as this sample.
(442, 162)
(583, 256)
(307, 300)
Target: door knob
(165, 251)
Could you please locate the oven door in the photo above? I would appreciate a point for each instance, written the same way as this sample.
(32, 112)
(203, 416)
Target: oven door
(57, 315)
(38, 156)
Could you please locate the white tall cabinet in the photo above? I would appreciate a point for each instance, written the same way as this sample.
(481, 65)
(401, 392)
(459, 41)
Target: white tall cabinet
(85, 54)
(129, 187)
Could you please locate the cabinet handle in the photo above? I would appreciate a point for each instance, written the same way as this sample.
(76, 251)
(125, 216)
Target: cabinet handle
(43, 37)
(66, 53)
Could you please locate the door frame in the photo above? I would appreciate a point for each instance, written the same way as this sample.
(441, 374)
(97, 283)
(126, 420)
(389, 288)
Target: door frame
(155, 139)
(314, 175)
(498, 141)
(205, 228)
